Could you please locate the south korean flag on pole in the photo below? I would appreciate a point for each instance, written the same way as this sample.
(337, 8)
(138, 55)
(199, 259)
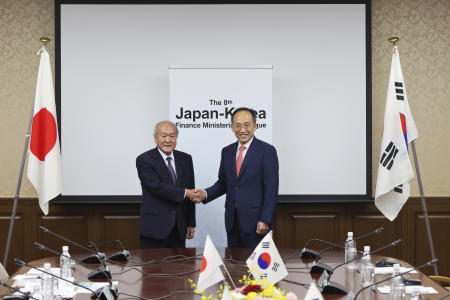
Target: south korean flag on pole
(394, 168)
(265, 261)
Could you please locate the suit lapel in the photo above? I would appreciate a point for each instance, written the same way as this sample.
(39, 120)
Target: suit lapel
(179, 167)
(248, 156)
(162, 165)
(232, 155)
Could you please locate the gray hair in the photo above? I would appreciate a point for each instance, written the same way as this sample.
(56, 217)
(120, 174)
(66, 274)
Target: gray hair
(155, 130)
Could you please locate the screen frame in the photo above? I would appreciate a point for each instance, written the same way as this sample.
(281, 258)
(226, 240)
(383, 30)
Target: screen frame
(283, 198)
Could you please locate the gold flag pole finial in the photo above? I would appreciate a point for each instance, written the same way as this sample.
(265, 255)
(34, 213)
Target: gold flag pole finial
(45, 40)
(394, 40)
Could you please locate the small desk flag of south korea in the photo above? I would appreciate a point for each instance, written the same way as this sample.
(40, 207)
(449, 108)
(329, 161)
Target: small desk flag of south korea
(265, 261)
(210, 272)
(313, 292)
(394, 168)
(44, 159)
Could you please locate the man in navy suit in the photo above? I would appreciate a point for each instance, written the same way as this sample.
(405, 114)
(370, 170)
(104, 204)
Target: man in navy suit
(166, 175)
(248, 174)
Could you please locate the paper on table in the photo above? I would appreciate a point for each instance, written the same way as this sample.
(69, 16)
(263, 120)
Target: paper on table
(410, 289)
(388, 270)
(93, 286)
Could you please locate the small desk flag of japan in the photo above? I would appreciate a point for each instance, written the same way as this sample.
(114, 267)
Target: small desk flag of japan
(394, 168)
(44, 159)
(265, 261)
(210, 272)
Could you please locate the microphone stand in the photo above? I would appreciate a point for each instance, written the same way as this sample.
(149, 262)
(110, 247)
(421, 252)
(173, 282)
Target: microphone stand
(98, 273)
(100, 294)
(122, 255)
(432, 262)
(95, 258)
(24, 296)
(318, 267)
(331, 287)
(309, 253)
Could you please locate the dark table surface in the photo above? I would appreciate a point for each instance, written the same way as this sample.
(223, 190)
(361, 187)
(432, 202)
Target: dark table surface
(189, 261)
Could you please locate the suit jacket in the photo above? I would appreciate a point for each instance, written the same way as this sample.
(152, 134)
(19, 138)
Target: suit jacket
(163, 201)
(255, 191)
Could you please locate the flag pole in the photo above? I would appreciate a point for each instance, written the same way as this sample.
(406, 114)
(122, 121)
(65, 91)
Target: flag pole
(44, 41)
(394, 41)
(424, 208)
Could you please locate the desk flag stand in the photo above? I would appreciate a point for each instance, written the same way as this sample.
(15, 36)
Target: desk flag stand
(44, 41)
(394, 41)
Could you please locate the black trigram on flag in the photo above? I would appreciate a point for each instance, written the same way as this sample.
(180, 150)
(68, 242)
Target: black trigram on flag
(387, 159)
(265, 245)
(399, 91)
(399, 188)
(275, 267)
(263, 276)
(253, 255)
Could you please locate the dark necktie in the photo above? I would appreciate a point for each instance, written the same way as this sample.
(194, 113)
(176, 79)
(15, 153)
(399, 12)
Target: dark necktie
(171, 170)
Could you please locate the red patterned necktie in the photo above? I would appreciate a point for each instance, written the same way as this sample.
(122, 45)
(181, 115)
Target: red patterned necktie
(239, 160)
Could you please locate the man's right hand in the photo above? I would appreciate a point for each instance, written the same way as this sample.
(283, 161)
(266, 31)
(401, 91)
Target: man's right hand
(196, 195)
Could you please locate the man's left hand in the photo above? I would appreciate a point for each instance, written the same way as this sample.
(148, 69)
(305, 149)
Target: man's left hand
(262, 228)
(190, 232)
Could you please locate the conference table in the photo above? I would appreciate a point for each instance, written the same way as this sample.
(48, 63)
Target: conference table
(188, 261)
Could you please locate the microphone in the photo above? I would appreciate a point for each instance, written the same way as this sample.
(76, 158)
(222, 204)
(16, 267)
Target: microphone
(98, 273)
(318, 267)
(431, 262)
(23, 296)
(309, 253)
(105, 293)
(122, 255)
(331, 287)
(96, 258)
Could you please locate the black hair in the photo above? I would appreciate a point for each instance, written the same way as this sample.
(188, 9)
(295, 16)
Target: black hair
(251, 111)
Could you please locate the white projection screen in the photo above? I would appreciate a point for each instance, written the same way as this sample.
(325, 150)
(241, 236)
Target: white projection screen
(112, 86)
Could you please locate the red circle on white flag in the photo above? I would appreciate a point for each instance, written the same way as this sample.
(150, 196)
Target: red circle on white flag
(43, 134)
(204, 264)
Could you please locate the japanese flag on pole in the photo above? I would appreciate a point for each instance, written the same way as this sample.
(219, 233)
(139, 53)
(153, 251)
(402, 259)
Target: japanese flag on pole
(394, 168)
(44, 159)
(210, 272)
(265, 261)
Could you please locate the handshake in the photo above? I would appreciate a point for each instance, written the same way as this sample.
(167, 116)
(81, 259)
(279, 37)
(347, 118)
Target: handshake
(196, 195)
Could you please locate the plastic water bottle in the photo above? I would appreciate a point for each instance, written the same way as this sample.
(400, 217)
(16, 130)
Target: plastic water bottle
(47, 284)
(396, 283)
(350, 250)
(65, 264)
(66, 272)
(367, 268)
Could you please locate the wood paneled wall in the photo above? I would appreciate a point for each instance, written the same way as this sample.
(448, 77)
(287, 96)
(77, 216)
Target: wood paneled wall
(295, 224)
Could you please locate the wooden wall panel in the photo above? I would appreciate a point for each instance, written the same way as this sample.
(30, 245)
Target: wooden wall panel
(295, 224)
(17, 242)
(362, 223)
(72, 227)
(440, 227)
(306, 226)
(123, 228)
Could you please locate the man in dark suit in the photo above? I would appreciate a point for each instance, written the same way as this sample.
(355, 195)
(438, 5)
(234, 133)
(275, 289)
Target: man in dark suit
(248, 174)
(166, 175)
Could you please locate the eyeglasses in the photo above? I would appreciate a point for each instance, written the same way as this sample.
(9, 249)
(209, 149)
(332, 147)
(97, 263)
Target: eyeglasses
(238, 126)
